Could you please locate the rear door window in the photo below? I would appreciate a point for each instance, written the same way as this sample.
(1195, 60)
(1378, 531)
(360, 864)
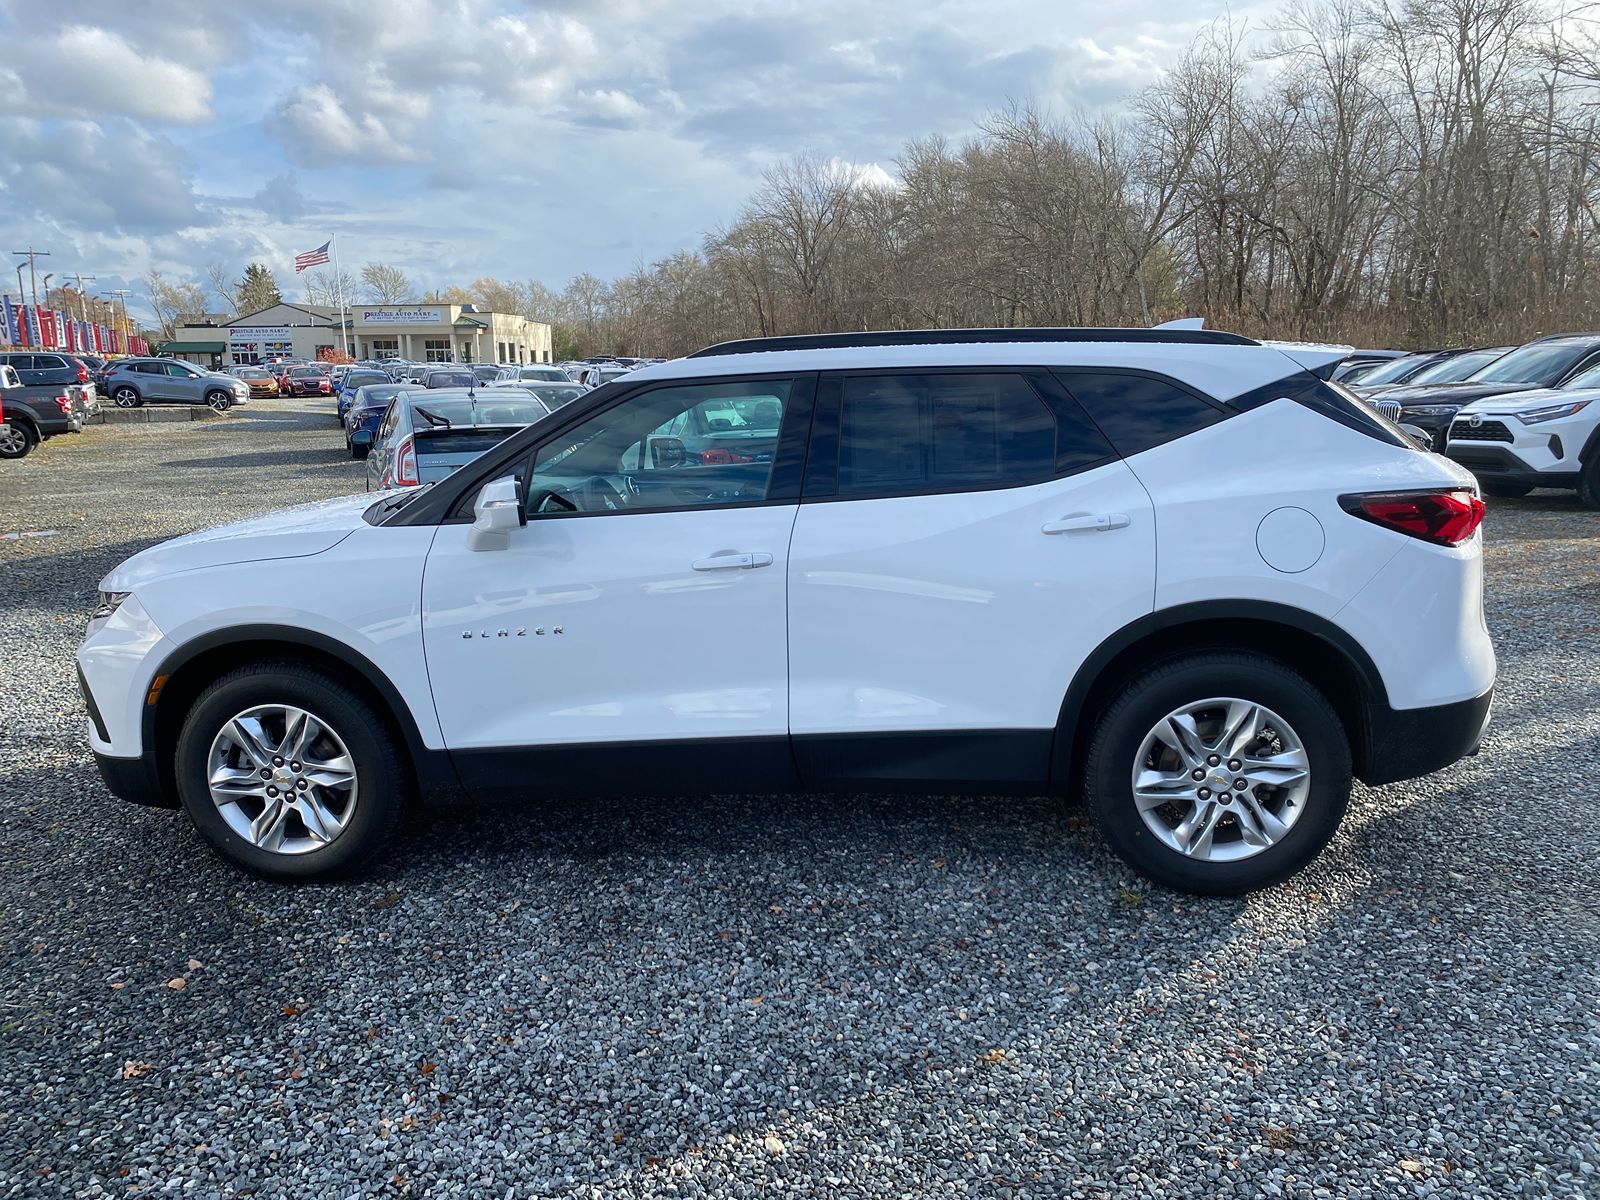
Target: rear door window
(905, 433)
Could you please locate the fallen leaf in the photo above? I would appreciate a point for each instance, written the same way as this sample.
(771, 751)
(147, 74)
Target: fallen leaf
(773, 1143)
(426, 1068)
(117, 986)
(1412, 1165)
(132, 1070)
(992, 1058)
(758, 1000)
(290, 1010)
(387, 901)
(616, 1138)
(194, 964)
(178, 984)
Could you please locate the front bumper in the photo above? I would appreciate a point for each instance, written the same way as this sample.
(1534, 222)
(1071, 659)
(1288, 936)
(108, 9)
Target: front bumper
(135, 780)
(1407, 742)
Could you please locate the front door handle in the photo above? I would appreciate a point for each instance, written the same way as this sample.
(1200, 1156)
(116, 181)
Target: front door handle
(1080, 522)
(732, 560)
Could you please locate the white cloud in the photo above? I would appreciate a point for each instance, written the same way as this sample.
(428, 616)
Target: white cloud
(316, 127)
(84, 71)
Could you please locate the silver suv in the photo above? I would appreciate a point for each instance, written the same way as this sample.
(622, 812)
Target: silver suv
(133, 382)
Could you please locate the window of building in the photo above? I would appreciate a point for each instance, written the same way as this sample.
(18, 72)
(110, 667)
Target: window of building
(436, 350)
(380, 348)
(916, 433)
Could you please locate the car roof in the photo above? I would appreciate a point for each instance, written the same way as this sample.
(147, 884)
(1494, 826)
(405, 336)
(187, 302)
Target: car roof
(1217, 367)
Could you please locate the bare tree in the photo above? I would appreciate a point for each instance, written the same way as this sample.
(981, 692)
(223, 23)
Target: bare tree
(384, 284)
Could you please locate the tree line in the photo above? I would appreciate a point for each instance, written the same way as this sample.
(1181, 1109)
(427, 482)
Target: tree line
(1426, 174)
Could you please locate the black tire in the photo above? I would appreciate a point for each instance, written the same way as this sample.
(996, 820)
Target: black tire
(381, 775)
(124, 396)
(1589, 483)
(219, 401)
(1165, 688)
(21, 441)
(1506, 491)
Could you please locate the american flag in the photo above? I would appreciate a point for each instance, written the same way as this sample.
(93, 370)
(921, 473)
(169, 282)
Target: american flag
(312, 258)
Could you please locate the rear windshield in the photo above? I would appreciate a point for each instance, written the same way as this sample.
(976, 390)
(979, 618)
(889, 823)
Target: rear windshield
(441, 442)
(492, 408)
(357, 378)
(450, 379)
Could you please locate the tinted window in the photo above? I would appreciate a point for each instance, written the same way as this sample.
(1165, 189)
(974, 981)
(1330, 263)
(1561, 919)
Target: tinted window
(1136, 412)
(1537, 362)
(915, 433)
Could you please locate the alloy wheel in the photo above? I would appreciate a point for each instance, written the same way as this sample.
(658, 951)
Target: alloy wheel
(13, 442)
(126, 397)
(1221, 780)
(219, 402)
(282, 778)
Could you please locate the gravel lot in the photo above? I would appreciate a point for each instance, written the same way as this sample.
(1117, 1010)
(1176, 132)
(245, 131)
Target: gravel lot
(752, 995)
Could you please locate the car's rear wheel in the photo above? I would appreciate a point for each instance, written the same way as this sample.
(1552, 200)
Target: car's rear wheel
(1506, 491)
(219, 401)
(1219, 773)
(126, 397)
(289, 772)
(1589, 483)
(18, 439)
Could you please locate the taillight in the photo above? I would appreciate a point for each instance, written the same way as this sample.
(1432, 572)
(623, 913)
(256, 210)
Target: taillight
(719, 457)
(83, 373)
(1443, 518)
(64, 403)
(405, 465)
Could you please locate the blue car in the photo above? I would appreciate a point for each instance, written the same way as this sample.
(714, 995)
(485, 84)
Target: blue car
(354, 379)
(364, 412)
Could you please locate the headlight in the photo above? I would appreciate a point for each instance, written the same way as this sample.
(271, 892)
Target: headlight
(1551, 412)
(1428, 410)
(109, 603)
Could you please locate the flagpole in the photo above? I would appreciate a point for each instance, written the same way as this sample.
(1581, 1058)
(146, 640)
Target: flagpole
(338, 282)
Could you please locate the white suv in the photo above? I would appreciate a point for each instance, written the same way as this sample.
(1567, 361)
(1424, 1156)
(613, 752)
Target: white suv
(1548, 438)
(1173, 569)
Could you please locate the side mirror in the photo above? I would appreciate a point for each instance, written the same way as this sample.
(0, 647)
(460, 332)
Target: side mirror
(666, 453)
(496, 512)
(1421, 437)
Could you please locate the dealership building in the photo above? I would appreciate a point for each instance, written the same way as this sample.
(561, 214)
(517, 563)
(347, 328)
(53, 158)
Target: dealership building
(419, 332)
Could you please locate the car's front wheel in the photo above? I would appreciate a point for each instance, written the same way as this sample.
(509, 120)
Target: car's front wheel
(289, 772)
(1589, 483)
(1219, 773)
(126, 397)
(219, 401)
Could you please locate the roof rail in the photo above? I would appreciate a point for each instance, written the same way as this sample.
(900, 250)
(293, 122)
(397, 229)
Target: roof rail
(937, 337)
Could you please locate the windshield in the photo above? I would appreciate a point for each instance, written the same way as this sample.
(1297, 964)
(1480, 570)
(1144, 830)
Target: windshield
(1537, 362)
(1392, 371)
(490, 408)
(254, 373)
(1589, 378)
(755, 412)
(1458, 366)
(304, 373)
(357, 378)
(552, 373)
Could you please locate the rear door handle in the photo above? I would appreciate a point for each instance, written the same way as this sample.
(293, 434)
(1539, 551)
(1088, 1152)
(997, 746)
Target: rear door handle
(1094, 522)
(732, 560)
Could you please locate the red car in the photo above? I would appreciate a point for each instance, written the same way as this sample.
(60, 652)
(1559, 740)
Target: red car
(305, 381)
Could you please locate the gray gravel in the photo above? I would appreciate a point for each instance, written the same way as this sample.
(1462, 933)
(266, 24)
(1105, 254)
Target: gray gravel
(749, 995)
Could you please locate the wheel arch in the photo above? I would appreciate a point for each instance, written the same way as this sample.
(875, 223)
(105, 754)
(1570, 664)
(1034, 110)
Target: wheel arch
(1325, 654)
(195, 665)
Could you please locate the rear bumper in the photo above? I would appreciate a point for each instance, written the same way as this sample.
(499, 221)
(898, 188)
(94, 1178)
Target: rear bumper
(1408, 742)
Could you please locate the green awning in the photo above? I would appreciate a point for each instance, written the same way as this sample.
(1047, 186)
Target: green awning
(191, 348)
(463, 319)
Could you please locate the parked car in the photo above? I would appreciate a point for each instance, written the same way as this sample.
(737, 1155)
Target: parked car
(414, 373)
(484, 373)
(50, 370)
(443, 375)
(305, 381)
(1358, 363)
(554, 395)
(530, 373)
(261, 382)
(1544, 438)
(1399, 370)
(32, 414)
(947, 576)
(1451, 368)
(595, 374)
(138, 381)
(354, 381)
(1547, 362)
(426, 435)
(364, 413)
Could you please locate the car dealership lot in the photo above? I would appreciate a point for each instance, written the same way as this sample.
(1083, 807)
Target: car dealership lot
(860, 995)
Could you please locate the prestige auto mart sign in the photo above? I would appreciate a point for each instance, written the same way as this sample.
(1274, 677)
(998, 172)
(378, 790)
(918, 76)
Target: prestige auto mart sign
(402, 316)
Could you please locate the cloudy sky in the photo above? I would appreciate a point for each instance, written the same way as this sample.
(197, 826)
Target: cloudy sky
(457, 138)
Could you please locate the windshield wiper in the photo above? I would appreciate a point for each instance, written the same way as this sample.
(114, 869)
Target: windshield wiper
(395, 503)
(432, 417)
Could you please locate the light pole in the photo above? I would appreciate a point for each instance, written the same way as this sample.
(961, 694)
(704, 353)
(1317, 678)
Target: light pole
(122, 294)
(32, 256)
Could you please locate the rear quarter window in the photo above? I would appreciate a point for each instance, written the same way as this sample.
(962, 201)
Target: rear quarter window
(1140, 412)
